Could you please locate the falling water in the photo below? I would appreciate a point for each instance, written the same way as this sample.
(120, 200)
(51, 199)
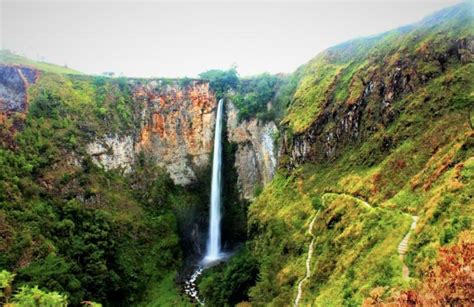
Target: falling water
(213, 252)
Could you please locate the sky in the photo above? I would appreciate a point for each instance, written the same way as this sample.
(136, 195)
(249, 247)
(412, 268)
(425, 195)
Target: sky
(177, 39)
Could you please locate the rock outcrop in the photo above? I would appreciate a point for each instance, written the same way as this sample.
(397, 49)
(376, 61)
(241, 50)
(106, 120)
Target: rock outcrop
(256, 155)
(343, 123)
(112, 152)
(177, 125)
(14, 83)
(174, 125)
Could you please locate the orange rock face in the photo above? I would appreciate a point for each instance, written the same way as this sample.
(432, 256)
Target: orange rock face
(177, 126)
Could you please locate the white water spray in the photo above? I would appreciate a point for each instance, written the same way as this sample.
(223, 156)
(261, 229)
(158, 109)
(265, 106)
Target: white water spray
(213, 252)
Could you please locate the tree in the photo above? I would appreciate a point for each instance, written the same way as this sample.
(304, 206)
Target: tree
(221, 80)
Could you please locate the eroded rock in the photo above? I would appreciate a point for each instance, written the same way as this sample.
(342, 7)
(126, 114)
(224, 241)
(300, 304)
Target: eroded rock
(256, 155)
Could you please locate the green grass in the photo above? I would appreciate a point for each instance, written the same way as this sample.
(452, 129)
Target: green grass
(418, 163)
(164, 293)
(6, 57)
(335, 76)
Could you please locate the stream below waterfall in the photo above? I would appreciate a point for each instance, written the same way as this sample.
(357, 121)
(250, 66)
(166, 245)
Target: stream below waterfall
(190, 286)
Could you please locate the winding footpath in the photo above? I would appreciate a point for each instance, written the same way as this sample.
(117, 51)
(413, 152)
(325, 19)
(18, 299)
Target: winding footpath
(402, 247)
(308, 262)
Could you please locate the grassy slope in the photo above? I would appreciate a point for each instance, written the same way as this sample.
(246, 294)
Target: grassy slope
(7, 57)
(164, 293)
(428, 172)
(336, 73)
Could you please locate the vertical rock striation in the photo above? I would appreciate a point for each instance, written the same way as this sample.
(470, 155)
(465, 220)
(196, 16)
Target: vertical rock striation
(14, 83)
(256, 155)
(177, 125)
(380, 85)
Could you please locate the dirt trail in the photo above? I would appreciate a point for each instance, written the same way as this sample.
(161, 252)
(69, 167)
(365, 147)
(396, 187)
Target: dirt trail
(308, 262)
(403, 247)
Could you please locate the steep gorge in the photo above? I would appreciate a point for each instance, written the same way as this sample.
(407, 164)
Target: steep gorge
(128, 127)
(125, 162)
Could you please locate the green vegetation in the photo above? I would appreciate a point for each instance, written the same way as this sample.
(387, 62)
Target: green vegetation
(6, 57)
(26, 296)
(337, 75)
(72, 227)
(221, 81)
(228, 284)
(427, 172)
(164, 293)
(387, 126)
(254, 94)
(417, 163)
(264, 96)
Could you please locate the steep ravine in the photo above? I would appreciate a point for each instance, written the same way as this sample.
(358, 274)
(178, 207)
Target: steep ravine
(171, 125)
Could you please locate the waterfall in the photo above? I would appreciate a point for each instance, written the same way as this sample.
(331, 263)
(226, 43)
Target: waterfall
(213, 252)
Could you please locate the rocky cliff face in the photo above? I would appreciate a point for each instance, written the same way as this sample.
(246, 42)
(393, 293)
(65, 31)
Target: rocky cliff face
(256, 155)
(113, 152)
(14, 82)
(176, 125)
(380, 84)
(177, 130)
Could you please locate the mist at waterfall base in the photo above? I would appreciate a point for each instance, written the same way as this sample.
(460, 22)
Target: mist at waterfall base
(213, 252)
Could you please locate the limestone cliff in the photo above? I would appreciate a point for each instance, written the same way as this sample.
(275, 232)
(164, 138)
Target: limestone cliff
(256, 155)
(175, 127)
(173, 124)
(112, 152)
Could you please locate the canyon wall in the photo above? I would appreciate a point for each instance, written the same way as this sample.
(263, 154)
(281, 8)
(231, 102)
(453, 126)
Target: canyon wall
(173, 125)
(379, 86)
(256, 154)
(175, 128)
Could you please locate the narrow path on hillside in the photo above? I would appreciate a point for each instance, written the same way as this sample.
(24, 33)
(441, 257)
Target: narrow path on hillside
(403, 247)
(308, 261)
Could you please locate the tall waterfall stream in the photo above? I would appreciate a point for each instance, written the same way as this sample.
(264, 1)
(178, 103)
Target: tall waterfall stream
(213, 251)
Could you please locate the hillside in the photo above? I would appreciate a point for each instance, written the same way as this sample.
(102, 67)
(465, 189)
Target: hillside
(377, 134)
(386, 120)
(7, 57)
(345, 183)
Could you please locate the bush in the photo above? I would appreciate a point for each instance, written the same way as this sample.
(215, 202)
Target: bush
(228, 283)
(221, 80)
